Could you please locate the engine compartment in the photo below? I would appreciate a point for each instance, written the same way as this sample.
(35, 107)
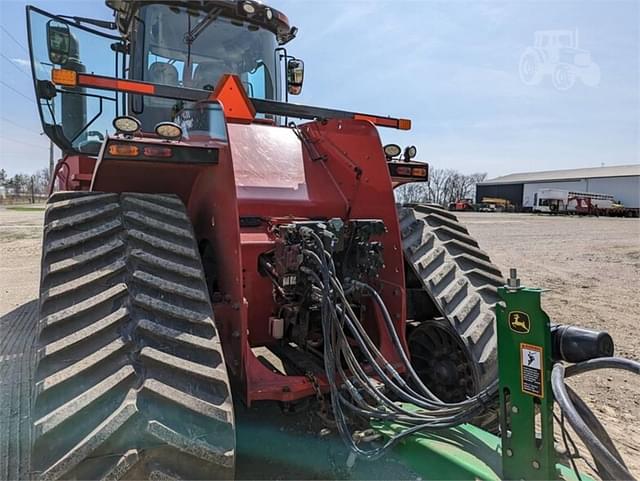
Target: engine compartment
(292, 267)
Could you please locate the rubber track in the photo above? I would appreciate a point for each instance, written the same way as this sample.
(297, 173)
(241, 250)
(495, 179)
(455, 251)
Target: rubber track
(459, 278)
(130, 381)
(17, 348)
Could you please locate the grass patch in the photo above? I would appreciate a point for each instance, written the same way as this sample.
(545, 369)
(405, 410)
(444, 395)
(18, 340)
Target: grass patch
(26, 209)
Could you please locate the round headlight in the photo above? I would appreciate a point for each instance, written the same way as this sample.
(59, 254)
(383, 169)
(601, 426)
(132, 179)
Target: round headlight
(169, 131)
(392, 150)
(126, 125)
(268, 13)
(411, 152)
(248, 8)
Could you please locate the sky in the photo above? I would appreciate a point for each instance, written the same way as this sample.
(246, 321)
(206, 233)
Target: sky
(450, 66)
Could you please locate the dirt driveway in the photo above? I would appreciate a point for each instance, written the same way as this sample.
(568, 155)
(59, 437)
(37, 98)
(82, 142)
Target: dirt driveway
(20, 240)
(591, 265)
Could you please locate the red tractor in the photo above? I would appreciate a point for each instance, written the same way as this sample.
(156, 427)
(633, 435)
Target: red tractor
(198, 227)
(462, 205)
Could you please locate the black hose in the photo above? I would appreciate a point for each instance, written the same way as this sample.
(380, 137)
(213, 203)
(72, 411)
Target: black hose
(483, 396)
(598, 429)
(611, 466)
(603, 363)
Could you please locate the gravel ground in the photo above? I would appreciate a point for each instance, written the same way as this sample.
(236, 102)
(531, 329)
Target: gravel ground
(590, 265)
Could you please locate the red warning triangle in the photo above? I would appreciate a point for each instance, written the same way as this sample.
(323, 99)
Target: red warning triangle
(234, 100)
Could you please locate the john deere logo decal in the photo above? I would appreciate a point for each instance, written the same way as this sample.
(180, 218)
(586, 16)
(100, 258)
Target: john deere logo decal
(519, 322)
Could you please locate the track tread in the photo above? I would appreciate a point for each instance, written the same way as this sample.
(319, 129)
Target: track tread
(459, 278)
(128, 352)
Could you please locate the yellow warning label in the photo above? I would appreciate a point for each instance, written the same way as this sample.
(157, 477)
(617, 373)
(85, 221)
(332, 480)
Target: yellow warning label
(532, 369)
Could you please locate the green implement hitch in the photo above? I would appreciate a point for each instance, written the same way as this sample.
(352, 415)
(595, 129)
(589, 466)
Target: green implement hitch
(525, 448)
(524, 370)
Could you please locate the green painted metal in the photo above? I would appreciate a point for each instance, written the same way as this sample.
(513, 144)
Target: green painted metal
(463, 452)
(526, 399)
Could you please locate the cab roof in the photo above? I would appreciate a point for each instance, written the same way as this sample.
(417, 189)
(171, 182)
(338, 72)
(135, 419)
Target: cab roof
(262, 15)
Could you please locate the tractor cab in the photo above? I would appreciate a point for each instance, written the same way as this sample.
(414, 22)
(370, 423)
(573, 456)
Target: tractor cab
(179, 45)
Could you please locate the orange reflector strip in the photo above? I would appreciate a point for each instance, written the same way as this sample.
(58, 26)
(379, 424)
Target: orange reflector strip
(402, 124)
(123, 150)
(116, 84)
(383, 122)
(157, 152)
(68, 78)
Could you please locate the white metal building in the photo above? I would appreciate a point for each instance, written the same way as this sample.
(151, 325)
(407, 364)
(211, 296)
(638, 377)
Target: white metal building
(621, 181)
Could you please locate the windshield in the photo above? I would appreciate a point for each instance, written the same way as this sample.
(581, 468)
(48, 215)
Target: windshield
(194, 49)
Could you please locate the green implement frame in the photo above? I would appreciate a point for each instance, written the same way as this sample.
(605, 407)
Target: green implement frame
(525, 448)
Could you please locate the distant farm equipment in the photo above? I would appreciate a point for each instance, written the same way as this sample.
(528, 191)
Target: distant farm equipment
(556, 201)
(557, 53)
(496, 204)
(488, 204)
(462, 205)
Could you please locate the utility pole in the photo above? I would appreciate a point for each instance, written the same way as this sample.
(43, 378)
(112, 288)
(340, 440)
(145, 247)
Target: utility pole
(50, 159)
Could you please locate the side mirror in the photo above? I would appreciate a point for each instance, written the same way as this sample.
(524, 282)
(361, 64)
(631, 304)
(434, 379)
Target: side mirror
(295, 76)
(58, 42)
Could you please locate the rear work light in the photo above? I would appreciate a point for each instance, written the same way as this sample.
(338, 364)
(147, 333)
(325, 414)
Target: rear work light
(126, 124)
(123, 150)
(164, 152)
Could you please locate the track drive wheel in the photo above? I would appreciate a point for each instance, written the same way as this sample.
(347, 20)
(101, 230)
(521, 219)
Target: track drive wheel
(131, 381)
(452, 292)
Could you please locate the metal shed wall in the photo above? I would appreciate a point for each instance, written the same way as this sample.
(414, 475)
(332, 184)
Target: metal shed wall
(511, 192)
(623, 189)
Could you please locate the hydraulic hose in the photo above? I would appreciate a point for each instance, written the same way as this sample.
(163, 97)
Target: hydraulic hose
(351, 388)
(596, 426)
(483, 396)
(608, 460)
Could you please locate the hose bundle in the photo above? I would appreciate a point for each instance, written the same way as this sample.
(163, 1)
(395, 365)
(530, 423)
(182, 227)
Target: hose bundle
(352, 390)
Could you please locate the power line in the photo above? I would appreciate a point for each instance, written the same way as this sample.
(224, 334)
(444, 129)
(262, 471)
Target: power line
(14, 39)
(24, 143)
(16, 91)
(18, 125)
(14, 64)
